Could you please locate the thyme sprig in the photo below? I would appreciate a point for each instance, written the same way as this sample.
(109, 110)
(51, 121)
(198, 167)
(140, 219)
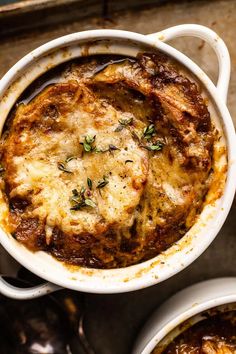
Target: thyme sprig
(123, 124)
(62, 165)
(90, 202)
(149, 131)
(69, 158)
(112, 148)
(102, 183)
(89, 183)
(80, 200)
(157, 146)
(88, 143)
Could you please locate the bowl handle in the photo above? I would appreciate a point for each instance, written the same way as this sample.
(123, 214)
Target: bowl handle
(14, 292)
(212, 39)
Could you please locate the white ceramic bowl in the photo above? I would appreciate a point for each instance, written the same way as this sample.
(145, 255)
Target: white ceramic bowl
(184, 309)
(213, 215)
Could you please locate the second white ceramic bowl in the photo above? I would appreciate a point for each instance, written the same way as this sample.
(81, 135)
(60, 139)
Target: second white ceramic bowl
(191, 305)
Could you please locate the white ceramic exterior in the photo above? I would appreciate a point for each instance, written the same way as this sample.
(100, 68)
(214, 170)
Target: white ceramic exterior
(183, 306)
(212, 217)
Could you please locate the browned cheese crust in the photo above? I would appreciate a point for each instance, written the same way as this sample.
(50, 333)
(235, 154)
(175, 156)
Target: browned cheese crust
(110, 164)
(216, 335)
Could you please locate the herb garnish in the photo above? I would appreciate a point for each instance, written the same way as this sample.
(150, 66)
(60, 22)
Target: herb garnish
(88, 141)
(75, 192)
(90, 202)
(126, 161)
(102, 183)
(89, 183)
(89, 146)
(79, 200)
(113, 148)
(123, 124)
(62, 167)
(149, 131)
(69, 158)
(154, 147)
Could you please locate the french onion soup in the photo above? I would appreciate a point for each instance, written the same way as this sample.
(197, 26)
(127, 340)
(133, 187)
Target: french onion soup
(107, 160)
(215, 335)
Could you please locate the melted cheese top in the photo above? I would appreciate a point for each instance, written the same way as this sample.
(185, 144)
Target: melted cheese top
(37, 174)
(148, 198)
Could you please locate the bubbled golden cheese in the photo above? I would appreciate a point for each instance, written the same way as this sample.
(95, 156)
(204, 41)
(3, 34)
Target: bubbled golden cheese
(109, 165)
(37, 176)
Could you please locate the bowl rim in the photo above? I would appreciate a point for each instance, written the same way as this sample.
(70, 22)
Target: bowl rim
(198, 298)
(145, 273)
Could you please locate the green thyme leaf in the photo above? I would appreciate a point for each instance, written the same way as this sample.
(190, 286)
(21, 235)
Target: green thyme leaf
(78, 206)
(90, 202)
(75, 192)
(82, 191)
(88, 141)
(89, 183)
(119, 128)
(154, 147)
(123, 124)
(78, 200)
(87, 147)
(149, 131)
(113, 147)
(62, 166)
(69, 158)
(102, 183)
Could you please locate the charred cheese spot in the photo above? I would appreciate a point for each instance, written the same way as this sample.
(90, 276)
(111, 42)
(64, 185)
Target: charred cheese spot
(155, 185)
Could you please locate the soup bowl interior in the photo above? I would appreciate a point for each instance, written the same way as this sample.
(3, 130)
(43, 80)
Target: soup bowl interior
(214, 212)
(191, 322)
